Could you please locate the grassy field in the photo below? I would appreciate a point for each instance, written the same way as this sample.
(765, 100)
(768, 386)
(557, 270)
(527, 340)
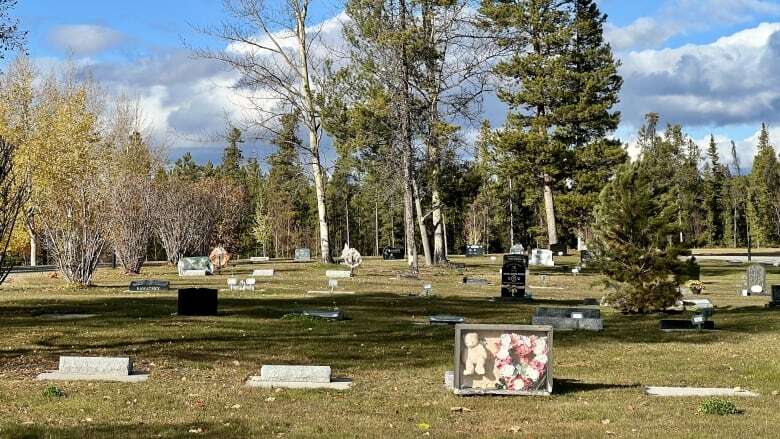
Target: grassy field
(198, 365)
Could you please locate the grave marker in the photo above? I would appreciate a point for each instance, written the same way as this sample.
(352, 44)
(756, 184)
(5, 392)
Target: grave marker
(302, 255)
(541, 257)
(94, 369)
(269, 272)
(474, 250)
(517, 249)
(558, 249)
(775, 297)
(149, 285)
(392, 253)
(588, 319)
(755, 280)
(198, 302)
(337, 274)
(297, 377)
(513, 276)
(256, 259)
(487, 360)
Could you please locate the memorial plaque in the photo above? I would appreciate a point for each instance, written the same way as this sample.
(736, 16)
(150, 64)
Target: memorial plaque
(392, 253)
(474, 250)
(302, 255)
(513, 276)
(150, 285)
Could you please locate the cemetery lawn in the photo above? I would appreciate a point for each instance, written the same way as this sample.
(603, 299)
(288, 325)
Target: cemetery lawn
(397, 361)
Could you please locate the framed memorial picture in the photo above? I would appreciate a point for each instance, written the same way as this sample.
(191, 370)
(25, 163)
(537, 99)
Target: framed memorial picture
(503, 359)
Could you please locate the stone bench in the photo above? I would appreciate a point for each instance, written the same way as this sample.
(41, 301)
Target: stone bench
(297, 377)
(94, 369)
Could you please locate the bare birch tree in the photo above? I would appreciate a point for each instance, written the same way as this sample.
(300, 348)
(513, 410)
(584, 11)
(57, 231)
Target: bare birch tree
(273, 49)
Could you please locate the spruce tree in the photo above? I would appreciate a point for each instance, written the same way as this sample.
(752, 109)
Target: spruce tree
(716, 179)
(764, 208)
(635, 218)
(231, 157)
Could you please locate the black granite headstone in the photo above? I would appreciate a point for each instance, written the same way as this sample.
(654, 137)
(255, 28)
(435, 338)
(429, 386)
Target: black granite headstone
(558, 249)
(685, 325)
(392, 253)
(513, 273)
(775, 296)
(474, 250)
(149, 285)
(198, 302)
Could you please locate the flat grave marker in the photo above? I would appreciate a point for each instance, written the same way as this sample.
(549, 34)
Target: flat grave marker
(297, 377)
(268, 272)
(149, 285)
(588, 319)
(697, 391)
(446, 319)
(338, 274)
(73, 368)
(257, 259)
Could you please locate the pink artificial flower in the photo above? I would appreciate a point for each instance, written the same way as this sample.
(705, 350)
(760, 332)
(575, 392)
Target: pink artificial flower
(538, 365)
(523, 350)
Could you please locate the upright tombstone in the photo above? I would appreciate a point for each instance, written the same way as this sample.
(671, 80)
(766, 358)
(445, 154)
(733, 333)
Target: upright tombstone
(392, 253)
(149, 285)
(474, 250)
(692, 269)
(558, 249)
(541, 257)
(775, 297)
(513, 276)
(755, 280)
(198, 302)
(585, 257)
(302, 255)
(517, 249)
(199, 264)
(503, 360)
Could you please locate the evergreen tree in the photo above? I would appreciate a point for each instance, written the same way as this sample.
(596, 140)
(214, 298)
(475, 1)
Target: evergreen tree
(764, 205)
(635, 217)
(716, 179)
(231, 157)
(186, 168)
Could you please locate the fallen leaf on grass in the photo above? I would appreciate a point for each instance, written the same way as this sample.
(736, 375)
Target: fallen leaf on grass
(236, 406)
(515, 429)
(423, 426)
(196, 430)
(460, 409)
(605, 421)
(270, 399)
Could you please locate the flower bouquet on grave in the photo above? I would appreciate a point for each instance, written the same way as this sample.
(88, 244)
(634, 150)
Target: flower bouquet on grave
(521, 362)
(696, 286)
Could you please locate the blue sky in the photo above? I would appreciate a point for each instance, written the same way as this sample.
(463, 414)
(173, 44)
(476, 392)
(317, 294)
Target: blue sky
(708, 64)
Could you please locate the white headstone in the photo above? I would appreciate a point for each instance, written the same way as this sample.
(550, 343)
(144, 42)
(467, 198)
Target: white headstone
(543, 257)
(335, 274)
(269, 272)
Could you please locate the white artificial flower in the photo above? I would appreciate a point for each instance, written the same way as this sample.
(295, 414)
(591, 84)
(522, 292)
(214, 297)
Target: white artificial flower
(532, 373)
(506, 340)
(541, 346)
(503, 353)
(541, 358)
(507, 371)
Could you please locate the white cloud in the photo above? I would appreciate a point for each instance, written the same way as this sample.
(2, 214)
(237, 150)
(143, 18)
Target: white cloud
(85, 39)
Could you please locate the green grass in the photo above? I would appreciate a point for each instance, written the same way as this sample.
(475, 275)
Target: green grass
(198, 365)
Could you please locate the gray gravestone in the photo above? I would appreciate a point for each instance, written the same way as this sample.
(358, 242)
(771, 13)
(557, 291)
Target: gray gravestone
(517, 249)
(588, 319)
(302, 255)
(94, 369)
(755, 278)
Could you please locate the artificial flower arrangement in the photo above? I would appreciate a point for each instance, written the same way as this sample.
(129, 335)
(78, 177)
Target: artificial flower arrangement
(503, 359)
(695, 285)
(521, 362)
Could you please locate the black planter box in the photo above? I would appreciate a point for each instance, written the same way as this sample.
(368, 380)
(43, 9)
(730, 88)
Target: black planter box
(685, 325)
(198, 302)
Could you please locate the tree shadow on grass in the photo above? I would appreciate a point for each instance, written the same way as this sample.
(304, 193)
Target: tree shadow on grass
(136, 430)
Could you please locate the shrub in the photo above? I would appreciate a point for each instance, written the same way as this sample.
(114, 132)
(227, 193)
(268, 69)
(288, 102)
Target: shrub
(717, 406)
(53, 392)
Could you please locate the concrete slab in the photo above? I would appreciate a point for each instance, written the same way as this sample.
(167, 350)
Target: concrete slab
(697, 391)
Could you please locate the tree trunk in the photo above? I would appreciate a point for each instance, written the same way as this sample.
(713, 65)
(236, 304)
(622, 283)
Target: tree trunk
(511, 217)
(549, 210)
(421, 224)
(376, 228)
(406, 144)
